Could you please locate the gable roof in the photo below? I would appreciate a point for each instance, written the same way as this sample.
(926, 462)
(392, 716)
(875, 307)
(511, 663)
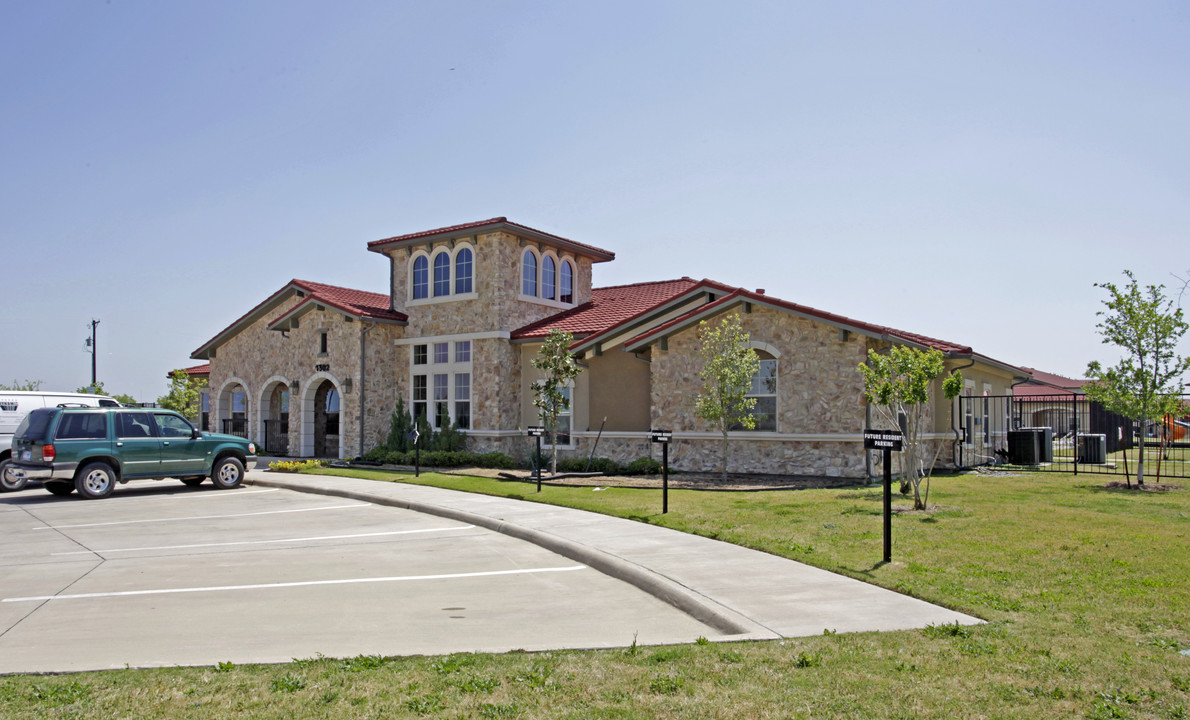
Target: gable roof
(359, 304)
(203, 370)
(740, 296)
(356, 303)
(657, 310)
(486, 226)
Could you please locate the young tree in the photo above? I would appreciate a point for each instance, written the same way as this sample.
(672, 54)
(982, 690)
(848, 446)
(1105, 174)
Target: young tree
(728, 364)
(898, 383)
(28, 386)
(185, 394)
(1146, 384)
(551, 394)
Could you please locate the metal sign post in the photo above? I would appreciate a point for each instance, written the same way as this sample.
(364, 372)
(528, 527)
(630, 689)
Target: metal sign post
(886, 441)
(663, 437)
(413, 436)
(536, 431)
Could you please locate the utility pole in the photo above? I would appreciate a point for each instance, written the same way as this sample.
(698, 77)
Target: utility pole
(91, 345)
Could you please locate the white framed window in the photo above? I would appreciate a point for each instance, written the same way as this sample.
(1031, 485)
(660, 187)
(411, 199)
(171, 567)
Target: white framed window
(549, 277)
(462, 394)
(763, 388)
(464, 268)
(441, 389)
(420, 285)
(442, 274)
(529, 273)
(566, 283)
(764, 391)
(420, 396)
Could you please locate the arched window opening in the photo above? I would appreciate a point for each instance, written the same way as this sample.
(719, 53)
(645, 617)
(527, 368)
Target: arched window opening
(547, 277)
(421, 277)
(764, 391)
(529, 274)
(441, 275)
(463, 269)
(566, 291)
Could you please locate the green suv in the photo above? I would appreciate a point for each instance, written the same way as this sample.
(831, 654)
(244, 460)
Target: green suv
(92, 449)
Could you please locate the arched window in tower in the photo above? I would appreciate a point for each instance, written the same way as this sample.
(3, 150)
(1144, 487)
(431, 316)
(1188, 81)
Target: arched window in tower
(463, 270)
(421, 277)
(441, 274)
(566, 289)
(529, 274)
(547, 277)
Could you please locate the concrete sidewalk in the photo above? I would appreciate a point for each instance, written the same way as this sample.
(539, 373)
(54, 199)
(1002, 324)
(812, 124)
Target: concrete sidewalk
(744, 594)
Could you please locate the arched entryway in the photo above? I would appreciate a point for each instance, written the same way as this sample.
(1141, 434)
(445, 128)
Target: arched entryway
(233, 408)
(321, 428)
(274, 420)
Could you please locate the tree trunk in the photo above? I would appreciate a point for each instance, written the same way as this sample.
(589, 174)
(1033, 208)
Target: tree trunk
(1140, 461)
(725, 457)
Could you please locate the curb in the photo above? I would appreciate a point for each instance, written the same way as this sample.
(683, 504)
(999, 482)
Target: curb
(663, 588)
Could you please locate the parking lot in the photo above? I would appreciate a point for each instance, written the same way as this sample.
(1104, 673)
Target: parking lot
(160, 574)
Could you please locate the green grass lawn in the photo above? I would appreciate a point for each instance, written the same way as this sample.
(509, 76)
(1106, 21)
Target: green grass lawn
(1086, 590)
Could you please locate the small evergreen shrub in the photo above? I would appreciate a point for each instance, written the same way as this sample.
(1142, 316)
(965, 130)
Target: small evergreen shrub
(643, 466)
(607, 466)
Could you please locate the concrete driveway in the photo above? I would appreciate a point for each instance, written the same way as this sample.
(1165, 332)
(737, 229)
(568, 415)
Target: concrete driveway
(292, 566)
(160, 575)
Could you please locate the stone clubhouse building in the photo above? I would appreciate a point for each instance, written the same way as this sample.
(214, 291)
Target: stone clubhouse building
(316, 370)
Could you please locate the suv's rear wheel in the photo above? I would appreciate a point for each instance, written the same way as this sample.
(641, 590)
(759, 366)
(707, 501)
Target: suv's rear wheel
(227, 473)
(62, 489)
(9, 484)
(96, 480)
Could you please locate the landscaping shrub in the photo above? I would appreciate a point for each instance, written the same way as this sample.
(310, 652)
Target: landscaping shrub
(606, 466)
(643, 466)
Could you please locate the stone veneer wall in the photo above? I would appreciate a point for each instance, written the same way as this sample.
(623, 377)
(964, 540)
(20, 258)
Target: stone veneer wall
(496, 310)
(820, 405)
(259, 358)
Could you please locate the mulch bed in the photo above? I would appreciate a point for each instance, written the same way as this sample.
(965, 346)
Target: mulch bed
(1147, 487)
(677, 481)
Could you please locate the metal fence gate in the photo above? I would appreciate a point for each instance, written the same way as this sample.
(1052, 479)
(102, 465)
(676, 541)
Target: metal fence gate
(1066, 433)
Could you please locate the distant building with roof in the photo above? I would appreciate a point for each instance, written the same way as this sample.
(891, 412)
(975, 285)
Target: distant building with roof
(316, 370)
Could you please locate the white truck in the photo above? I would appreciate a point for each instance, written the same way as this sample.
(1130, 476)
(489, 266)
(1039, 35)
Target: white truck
(16, 404)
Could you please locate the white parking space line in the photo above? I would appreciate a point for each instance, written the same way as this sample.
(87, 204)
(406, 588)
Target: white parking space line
(308, 583)
(266, 542)
(203, 517)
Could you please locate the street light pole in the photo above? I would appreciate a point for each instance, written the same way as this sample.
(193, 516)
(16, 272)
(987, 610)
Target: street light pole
(94, 354)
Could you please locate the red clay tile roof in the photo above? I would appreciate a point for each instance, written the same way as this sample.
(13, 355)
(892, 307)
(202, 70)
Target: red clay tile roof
(613, 310)
(736, 295)
(359, 303)
(1044, 383)
(352, 302)
(498, 223)
(609, 307)
(204, 369)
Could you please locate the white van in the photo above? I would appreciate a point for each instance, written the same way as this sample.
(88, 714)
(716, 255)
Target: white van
(16, 404)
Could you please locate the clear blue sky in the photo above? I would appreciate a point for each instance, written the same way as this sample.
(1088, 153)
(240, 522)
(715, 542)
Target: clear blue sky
(962, 170)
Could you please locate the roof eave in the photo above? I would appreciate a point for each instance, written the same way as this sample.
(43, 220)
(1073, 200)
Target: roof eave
(594, 253)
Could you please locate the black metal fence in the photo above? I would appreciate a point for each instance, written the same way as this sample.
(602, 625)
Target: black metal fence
(1066, 433)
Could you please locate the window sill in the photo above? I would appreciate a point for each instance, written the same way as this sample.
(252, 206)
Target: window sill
(442, 299)
(544, 301)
